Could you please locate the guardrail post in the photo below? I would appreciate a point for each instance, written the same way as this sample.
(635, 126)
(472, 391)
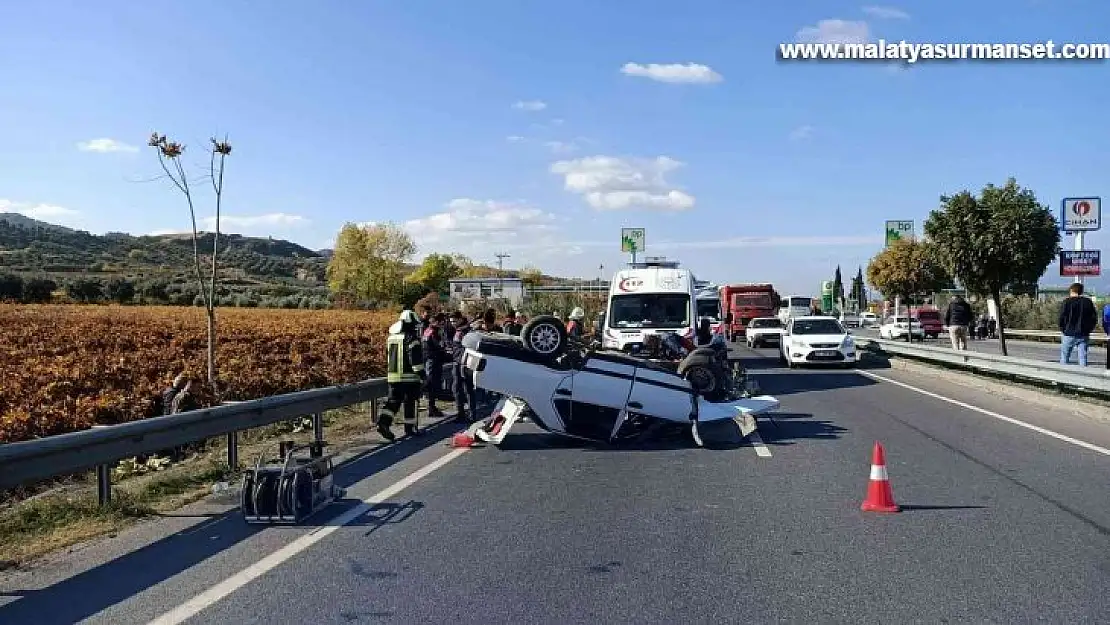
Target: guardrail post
(374, 411)
(233, 450)
(104, 485)
(318, 427)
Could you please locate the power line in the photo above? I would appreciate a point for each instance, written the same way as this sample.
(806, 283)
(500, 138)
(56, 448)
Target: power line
(501, 256)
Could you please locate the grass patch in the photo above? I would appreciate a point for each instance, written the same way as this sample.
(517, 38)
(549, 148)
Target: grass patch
(60, 518)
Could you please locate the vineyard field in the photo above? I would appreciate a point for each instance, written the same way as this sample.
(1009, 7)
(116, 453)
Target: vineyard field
(66, 368)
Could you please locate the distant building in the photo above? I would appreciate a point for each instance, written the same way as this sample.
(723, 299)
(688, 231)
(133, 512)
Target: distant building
(470, 289)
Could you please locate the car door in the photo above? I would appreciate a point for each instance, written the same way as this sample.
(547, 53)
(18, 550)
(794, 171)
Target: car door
(599, 392)
(661, 394)
(784, 342)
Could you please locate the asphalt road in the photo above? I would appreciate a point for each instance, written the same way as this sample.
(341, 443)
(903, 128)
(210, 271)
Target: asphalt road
(1045, 352)
(1001, 524)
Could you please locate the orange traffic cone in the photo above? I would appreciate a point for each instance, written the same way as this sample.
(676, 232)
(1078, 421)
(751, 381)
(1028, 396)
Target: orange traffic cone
(879, 496)
(462, 439)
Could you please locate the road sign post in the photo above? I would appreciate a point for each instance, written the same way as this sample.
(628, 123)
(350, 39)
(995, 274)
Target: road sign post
(632, 241)
(1077, 216)
(897, 230)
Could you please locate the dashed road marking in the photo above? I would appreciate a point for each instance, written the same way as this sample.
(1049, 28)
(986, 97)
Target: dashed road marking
(1001, 417)
(761, 450)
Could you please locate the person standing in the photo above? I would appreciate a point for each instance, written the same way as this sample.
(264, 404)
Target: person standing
(574, 326)
(1078, 319)
(466, 400)
(435, 356)
(404, 373)
(1106, 330)
(957, 318)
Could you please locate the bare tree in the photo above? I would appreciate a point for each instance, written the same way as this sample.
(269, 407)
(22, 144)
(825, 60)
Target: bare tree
(169, 158)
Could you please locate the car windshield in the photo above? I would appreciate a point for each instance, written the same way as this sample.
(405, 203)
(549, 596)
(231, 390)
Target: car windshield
(817, 326)
(931, 315)
(709, 308)
(765, 323)
(650, 310)
(800, 302)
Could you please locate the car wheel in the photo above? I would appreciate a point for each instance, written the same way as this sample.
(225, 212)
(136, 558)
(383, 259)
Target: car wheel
(545, 335)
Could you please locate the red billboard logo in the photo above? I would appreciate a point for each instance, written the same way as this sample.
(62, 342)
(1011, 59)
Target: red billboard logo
(1081, 209)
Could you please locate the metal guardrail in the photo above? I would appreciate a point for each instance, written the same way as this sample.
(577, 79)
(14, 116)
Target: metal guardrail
(1087, 379)
(101, 447)
(1050, 336)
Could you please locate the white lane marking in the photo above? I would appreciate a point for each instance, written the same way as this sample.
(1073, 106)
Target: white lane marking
(222, 589)
(757, 442)
(1029, 426)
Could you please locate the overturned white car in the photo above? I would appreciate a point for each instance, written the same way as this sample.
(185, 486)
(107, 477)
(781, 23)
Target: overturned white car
(570, 389)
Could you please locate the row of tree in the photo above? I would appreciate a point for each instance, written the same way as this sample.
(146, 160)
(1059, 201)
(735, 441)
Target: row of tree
(1001, 240)
(371, 265)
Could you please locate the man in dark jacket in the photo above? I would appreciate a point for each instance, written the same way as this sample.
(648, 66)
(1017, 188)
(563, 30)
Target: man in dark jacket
(1078, 319)
(958, 317)
(1106, 331)
(435, 356)
(465, 399)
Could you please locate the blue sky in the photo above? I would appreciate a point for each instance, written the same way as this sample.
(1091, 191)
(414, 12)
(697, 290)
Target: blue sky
(508, 125)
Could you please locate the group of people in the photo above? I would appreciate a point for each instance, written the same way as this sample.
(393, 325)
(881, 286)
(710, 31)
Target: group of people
(1078, 319)
(425, 356)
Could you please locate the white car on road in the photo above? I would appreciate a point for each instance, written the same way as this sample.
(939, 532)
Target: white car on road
(763, 330)
(815, 340)
(898, 327)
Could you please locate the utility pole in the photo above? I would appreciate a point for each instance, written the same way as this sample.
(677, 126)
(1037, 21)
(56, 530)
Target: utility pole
(501, 256)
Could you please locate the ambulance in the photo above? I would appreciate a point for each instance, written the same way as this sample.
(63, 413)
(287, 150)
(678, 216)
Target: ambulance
(649, 297)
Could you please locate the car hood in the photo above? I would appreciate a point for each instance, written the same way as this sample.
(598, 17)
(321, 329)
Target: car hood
(763, 330)
(819, 338)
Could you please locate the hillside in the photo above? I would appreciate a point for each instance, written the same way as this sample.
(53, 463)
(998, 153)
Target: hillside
(31, 246)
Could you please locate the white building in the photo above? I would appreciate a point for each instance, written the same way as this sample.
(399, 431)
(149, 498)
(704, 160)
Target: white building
(470, 289)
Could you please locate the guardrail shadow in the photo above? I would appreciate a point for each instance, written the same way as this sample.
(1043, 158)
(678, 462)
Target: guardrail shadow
(88, 593)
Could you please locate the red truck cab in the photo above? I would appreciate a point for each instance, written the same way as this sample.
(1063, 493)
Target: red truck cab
(930, 319)
(746, 302)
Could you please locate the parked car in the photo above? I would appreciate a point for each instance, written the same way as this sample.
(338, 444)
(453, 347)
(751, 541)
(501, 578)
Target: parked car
(570, 389)
(764, 330)
(868, 320)
(850, 319)
(816, 339)
(898, 327)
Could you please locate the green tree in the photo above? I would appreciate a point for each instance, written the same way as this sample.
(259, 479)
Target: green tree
(907, 269)
(1003, 239)
(11, 287)
(85, 290)
(368, 263)
(436, 272)
(838, 289)
(39, 290)
(857, 292)
(119, 290)
(531, 277)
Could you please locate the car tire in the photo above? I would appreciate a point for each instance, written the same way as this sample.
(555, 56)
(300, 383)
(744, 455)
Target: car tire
(703, 372)
(545, 335)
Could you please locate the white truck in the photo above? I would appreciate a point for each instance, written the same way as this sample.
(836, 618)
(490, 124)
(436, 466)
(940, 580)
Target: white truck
(652, 296)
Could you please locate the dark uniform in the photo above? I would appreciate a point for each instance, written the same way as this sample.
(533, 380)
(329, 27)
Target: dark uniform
(465, 396)
(434, 358)
(405, 375)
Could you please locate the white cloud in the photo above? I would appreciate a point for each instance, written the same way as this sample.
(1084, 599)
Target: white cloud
(557, 122)
(613, 183)
(835, 31)
(801, 133)
(50, 213)
(692, 73)
(514, 138)
(530, 105)
(253, 223)
(886, 13)
(481, 227)
(774, 241)
(105, 146)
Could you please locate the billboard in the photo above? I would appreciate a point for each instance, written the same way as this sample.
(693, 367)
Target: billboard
(1076, 264)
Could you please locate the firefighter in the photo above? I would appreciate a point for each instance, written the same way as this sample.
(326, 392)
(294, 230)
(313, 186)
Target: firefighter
(404, 373)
